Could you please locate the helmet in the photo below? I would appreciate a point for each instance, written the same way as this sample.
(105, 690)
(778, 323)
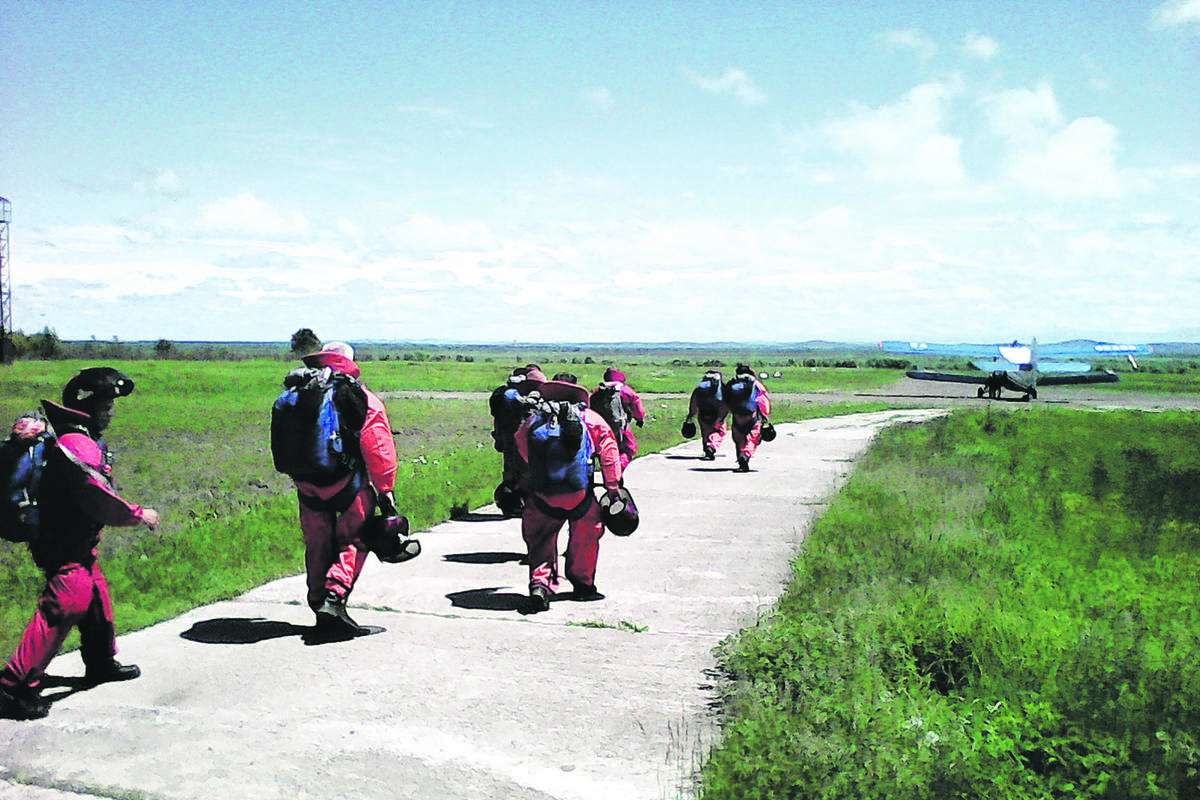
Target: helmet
(768, 431)
(687, 429)
(509, 499)
(95, 383)
(387, 537)
(618, 512)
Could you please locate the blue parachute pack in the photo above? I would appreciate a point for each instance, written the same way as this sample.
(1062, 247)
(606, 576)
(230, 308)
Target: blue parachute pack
(22, 460)
(315, 425)
(560, 449)
(741, 396)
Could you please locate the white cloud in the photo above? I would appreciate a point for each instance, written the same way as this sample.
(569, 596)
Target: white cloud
(246, 215)
(599, 99)
(980, 46)
(912, 40)
(1077, 161)
(166, 184)
(423, 234)
(1176, 13)
(1023, 115)
(903, 141)
(1048, 155)
(732, 82)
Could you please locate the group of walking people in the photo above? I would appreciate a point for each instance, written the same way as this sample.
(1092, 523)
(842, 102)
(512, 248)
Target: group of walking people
(551, 432)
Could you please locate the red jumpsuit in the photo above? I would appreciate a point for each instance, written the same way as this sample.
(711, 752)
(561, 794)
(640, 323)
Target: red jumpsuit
(635, 412)
(334, 553)
(712, 431)
(540, 530)
(76, 500)
(747, 431)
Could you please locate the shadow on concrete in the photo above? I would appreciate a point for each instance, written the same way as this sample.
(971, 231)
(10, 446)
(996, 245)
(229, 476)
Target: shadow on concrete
(490, 599)
(683, 458)
(484, 558)
(241, 630)
(69, 685)
(252, 630)
(475, 516)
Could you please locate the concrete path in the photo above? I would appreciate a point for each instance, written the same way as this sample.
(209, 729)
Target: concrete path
(463, 696)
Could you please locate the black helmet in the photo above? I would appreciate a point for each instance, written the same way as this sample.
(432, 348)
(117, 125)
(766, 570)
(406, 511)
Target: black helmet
(387, 537)
(687, 429)
(618, 512)
(509, 499)
(95, 383)
(768, 431)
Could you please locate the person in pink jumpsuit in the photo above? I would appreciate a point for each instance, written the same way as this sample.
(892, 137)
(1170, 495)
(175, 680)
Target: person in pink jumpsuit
(710, 413)
(76, 501)
(544, 515)
(747, 429)
(332, 518)
(635, 412)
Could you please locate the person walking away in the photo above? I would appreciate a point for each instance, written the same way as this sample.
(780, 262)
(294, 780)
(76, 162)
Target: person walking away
(558, 441)
(707, 407)
(749, 406)
(334, 511)
(76, 501)
(507, 405)
(622, 408)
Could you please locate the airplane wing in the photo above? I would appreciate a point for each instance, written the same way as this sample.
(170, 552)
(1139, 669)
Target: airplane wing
(948, 377)
(1090, 349)
(1103, 376)
(935, 349)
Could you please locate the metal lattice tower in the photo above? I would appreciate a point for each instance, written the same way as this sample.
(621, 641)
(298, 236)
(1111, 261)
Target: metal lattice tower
(5, 285)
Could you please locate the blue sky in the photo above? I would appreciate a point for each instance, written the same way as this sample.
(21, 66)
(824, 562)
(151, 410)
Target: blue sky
(620, 171)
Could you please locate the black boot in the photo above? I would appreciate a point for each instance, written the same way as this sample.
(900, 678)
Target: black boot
(539, 599)
(20, 702)
(110, 671)
(332, 617)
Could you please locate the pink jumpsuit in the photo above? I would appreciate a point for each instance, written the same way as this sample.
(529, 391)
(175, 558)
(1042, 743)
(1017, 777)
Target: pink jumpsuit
(712, 431)
(540, 530)
(635, 411)
(76, 499)
(747, 431)
(334, 553)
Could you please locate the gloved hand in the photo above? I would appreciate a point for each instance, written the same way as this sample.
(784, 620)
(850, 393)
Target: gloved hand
(640, 422)
(614, 502)
(387, 504)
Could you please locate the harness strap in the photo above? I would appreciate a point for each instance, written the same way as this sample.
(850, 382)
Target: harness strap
(570, 514)
(340, 501)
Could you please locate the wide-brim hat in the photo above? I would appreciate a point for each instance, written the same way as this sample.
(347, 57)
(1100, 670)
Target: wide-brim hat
(561, 390)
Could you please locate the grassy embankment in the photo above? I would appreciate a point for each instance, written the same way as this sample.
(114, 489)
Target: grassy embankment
(998, 605)
(192, 442)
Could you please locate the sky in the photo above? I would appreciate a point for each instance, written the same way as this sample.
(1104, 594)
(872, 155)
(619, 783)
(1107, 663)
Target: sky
(603, 171)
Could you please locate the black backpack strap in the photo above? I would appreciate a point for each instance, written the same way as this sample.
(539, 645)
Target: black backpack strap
(568, 514)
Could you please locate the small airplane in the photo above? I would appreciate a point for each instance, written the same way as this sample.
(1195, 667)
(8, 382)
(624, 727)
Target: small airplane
(1017, 367)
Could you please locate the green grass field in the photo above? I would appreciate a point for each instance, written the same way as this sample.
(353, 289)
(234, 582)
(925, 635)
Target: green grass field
(998, 605)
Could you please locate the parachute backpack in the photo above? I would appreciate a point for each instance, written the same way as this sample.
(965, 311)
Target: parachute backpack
(606, 401)
(708, 397)
(560, 449)
(22, 459)
(315, 424)
(741, 395)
